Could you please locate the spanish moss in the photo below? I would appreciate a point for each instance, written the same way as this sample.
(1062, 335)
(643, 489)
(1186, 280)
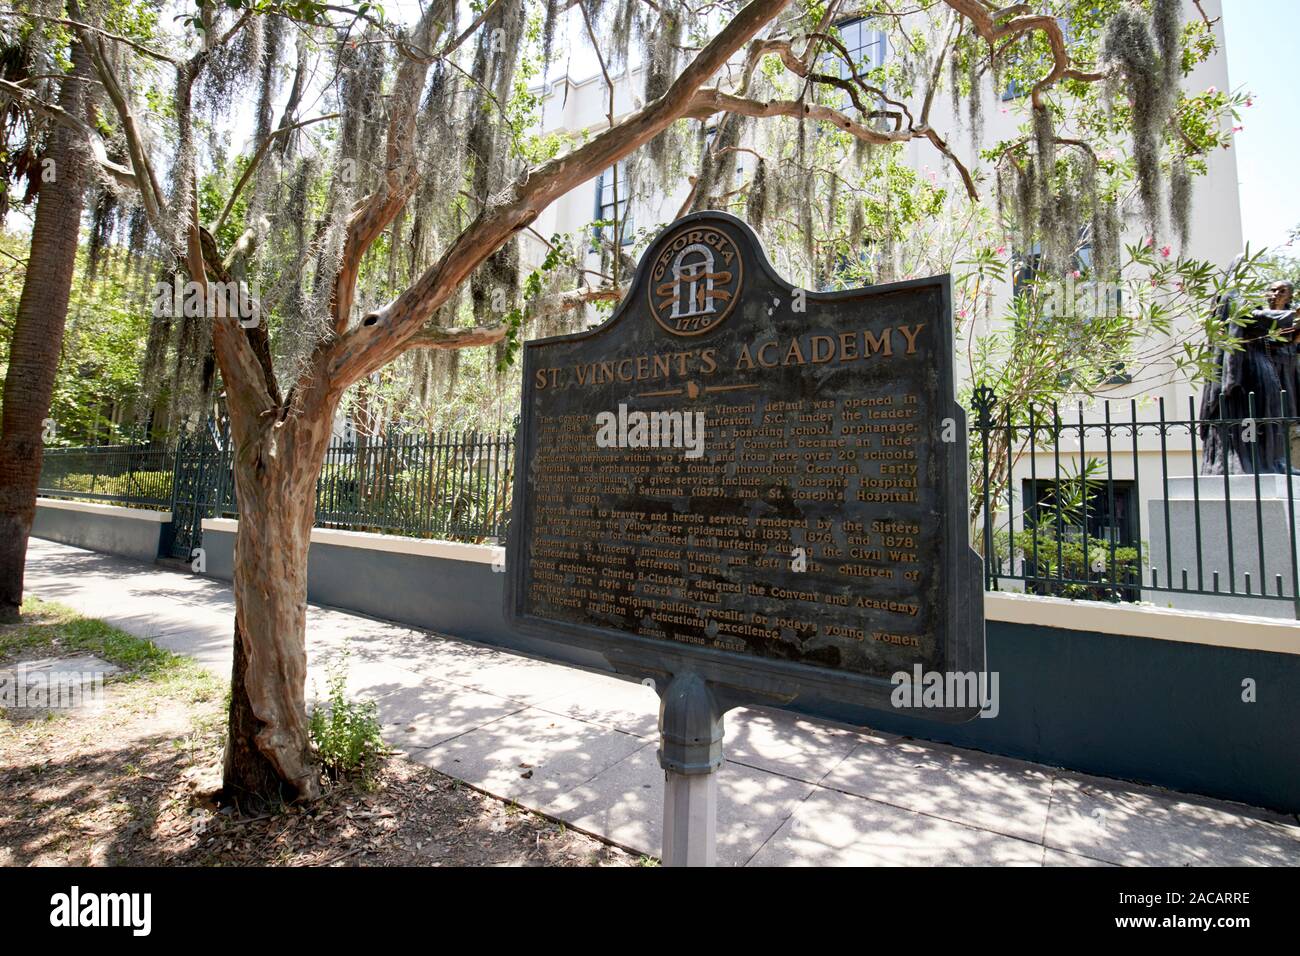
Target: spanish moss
(1129, 47)
(756, 199)
(1180, 201)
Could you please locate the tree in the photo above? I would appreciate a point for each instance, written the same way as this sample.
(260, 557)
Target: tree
(97, 389)
(38, 329)
(449, 173)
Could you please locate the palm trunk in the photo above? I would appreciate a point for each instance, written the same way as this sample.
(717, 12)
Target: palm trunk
(38, 336)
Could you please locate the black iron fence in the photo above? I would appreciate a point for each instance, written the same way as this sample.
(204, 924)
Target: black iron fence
(1109, 503)
(451, 485)
(1103, 503)
(133, 475)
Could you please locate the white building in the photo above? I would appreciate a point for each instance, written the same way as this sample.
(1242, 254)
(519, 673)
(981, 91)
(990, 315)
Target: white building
(1215, 235)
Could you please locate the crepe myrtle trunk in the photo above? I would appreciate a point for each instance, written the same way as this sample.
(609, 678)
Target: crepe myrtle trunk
(268, 758)
(38, 333)
(280, 446)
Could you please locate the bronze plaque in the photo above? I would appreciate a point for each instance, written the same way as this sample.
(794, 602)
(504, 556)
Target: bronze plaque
(760, 483)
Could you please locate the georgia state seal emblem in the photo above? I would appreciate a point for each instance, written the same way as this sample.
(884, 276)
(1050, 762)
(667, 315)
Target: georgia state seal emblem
(695, 280)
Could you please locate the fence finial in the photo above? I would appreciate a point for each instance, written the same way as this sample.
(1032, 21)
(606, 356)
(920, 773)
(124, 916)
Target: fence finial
(982, 400)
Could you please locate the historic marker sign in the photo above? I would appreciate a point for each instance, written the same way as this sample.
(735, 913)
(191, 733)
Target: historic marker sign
(755, 482)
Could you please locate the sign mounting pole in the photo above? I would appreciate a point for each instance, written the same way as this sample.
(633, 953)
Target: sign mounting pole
(690, 751)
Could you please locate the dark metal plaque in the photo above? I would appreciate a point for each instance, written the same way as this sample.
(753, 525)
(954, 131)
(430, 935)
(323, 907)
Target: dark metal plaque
(810, 540)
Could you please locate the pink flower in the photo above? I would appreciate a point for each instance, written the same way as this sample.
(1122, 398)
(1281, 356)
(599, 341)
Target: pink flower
(1001, 250)
(1238, 129)
(1076, 274)
(1250, 101)
(962, 313)
(1151, 241)
(1164, 252)
(1212, 90)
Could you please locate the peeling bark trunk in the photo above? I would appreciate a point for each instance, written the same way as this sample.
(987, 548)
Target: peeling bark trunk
(250, 780)
(268, 751)
(38, 336)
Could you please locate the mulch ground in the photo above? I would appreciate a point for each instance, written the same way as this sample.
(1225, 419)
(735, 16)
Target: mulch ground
(125, 785)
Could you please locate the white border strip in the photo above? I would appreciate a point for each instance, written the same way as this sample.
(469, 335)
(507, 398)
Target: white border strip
(1158, 623)
(390, 543)
(116, 511)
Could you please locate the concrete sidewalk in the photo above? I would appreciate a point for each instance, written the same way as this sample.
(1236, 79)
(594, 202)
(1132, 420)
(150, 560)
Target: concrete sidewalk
(580, 747)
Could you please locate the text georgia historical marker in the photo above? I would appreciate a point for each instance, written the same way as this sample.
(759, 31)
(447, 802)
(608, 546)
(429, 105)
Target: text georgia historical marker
(750, 493)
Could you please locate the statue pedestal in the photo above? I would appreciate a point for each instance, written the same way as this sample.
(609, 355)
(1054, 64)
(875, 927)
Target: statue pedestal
(1173, 544)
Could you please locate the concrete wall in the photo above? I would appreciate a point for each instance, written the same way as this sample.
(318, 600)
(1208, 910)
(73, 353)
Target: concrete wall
(1138, 693)
(1165, 709)
(1265, 524)
(439, 585)
(130, 532)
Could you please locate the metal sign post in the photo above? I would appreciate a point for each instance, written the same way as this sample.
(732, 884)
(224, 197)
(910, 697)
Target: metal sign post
(690, 751)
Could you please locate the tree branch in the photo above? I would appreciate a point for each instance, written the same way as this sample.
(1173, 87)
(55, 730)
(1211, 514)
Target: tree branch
(385, 333)
(243, 361)
(378, 210)
(452, 45)
(434, 338)
(152, 196)
(57, 113)
(709, 101)
(986, 25)
(257, 158)
(78, 25)
(460, 338)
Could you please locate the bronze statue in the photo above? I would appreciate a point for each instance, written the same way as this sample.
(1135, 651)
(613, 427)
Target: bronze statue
(1283, 351)
(1264, 366)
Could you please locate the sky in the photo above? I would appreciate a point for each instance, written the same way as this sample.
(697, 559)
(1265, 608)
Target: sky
(1260, 40)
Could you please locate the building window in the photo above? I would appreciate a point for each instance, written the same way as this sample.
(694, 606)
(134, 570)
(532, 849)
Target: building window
(613, 199)
(1111, 522)
(1112, 512)
(866, 46)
